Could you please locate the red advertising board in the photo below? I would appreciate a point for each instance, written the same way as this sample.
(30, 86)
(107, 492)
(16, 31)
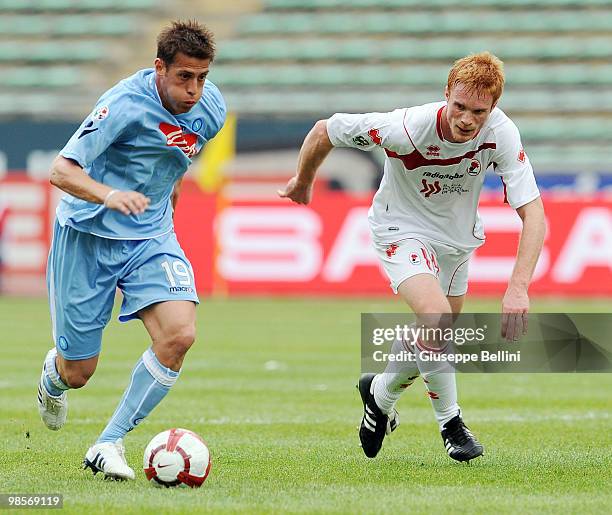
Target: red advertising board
(276, 247)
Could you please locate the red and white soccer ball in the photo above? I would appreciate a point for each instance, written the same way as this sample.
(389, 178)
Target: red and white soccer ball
(177, 457)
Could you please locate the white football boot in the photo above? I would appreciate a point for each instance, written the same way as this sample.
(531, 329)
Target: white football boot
(53, 410)
(109, 458)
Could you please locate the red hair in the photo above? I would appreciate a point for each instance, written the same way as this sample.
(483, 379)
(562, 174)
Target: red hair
(483, 73)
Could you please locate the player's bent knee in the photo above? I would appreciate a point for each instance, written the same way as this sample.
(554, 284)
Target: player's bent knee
(182, 339)
(433, 307)
(76, 373)
(76, 378)
(436, 307)
(436, 317)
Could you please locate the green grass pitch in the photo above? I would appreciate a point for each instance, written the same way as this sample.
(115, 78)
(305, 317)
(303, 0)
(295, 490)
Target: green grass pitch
(270, 385)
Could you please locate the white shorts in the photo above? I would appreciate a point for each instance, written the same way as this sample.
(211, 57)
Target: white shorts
(411, 256)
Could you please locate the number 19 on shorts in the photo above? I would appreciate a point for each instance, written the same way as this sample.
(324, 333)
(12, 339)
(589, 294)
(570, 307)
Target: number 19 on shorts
(177, 273)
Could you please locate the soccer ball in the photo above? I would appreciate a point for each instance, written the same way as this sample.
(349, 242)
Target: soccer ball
(177, 457)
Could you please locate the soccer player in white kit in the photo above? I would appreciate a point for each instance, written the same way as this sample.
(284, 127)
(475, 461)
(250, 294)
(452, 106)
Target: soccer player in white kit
(425, 225)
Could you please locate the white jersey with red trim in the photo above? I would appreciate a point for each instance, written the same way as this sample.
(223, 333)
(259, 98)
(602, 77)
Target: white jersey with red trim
(431, 186)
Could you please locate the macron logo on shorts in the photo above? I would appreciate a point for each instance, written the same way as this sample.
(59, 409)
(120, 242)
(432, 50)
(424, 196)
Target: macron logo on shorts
(181, 289)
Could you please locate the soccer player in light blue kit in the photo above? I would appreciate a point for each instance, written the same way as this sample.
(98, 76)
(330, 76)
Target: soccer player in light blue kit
(122, 171)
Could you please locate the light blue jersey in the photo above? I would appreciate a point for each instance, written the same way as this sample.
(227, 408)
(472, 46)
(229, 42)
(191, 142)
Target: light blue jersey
(131, 142)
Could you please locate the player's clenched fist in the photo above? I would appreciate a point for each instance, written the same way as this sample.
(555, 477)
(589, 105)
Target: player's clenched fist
(298, 192)
(128, 202)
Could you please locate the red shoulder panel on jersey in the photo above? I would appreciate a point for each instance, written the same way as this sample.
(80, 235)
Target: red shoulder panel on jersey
(415, 159)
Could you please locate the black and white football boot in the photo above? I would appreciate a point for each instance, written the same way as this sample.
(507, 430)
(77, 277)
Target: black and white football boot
(374, 424)
(460, 443)
(108, 458)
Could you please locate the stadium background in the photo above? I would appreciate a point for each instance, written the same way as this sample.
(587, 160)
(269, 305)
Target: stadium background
(281, 65)
(267, 364)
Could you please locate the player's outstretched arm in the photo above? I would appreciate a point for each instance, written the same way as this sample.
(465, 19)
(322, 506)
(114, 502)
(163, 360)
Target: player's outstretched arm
(516, 300)
(68, 176)
(314, 150)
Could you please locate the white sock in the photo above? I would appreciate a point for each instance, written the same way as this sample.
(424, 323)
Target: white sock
(52, 381)
(439, 379)
(399, 375)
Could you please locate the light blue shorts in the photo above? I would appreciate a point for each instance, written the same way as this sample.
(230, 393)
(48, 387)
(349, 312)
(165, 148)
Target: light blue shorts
(84, 271)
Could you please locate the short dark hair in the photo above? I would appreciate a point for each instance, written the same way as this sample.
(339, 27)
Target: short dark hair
(188, 37)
